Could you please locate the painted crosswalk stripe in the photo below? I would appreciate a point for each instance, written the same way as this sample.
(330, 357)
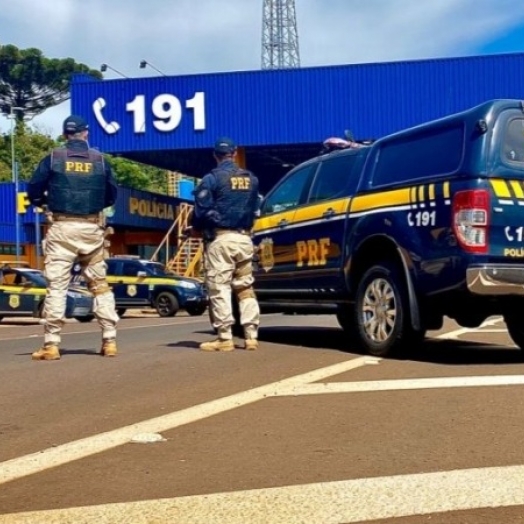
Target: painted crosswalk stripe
(59, 455)
(400, 384)
(349, 501)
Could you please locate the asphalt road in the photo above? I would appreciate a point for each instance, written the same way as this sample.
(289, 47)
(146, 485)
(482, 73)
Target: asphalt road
(301, 431)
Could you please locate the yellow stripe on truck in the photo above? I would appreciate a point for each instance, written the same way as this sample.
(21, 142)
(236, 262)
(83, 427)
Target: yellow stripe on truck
(21, 290)
(517, 188)
(396, 197)
(272, 221)
(314, 211)
(500, 187)
(141, 280)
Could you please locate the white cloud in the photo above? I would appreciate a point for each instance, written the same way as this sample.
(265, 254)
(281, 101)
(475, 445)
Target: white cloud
(184, 36)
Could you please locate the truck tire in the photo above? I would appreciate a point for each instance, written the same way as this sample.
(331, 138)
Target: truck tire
(196, 311)
(382, 313)
(515, 329)
(121, 311)
(166, 304)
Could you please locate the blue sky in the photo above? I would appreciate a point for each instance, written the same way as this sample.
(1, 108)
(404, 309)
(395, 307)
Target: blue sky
(509, 42)
(204, 36)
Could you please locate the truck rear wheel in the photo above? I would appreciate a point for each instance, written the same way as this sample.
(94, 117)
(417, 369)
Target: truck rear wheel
(382, 313)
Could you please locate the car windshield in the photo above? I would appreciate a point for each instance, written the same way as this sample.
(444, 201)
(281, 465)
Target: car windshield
(158, 270)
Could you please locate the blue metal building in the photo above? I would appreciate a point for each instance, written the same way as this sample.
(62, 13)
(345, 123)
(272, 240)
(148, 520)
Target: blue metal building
(140, 220)
(280, 117)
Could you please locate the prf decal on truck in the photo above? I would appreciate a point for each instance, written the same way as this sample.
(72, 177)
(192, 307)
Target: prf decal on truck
(313, 252)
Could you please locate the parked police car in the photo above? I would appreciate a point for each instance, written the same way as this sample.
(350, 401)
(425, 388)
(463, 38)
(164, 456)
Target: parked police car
(139, 283)
(23, 289)
(394, 236)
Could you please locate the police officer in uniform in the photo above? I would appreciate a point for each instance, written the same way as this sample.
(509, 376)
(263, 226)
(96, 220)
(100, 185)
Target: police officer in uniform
(226, 201)
(76, 183)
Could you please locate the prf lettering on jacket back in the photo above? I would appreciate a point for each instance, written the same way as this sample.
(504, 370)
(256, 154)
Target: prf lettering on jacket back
(240, 182)
(313, 252)
(78, 167)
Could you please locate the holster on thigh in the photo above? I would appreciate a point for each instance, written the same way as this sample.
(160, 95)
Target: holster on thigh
(244, 293)
(244, 269)
(98, 286)
(92, 259)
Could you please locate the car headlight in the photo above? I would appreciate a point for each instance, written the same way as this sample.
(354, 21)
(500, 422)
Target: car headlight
(188, 285)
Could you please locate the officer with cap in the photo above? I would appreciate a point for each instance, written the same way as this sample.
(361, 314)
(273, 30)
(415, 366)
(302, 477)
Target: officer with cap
(226, 201)
(76, 183)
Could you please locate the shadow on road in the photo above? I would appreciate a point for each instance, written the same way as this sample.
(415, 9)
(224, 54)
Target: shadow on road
(95, 352)
(459, 352)
(436, 351)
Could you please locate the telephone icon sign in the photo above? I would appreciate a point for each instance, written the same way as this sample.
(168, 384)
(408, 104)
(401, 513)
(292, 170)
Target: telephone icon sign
(109, 127)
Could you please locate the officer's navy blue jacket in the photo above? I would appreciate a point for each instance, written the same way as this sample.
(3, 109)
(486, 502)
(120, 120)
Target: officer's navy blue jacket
(75, 193)
(226, 198)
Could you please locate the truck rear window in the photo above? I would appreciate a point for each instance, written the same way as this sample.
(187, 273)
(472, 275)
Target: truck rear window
(513, 144)
(421, 155)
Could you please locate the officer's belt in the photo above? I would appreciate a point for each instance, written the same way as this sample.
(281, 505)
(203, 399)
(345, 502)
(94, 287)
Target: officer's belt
(60, 217)
(219, 231)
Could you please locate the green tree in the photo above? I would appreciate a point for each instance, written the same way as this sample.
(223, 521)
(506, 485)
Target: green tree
(30, 147)
(31, 81)
(139, 176)
(34, 83)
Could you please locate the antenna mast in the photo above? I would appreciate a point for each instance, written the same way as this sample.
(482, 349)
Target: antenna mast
(279, 35)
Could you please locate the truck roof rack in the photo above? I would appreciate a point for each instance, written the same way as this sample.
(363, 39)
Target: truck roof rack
(348, 142)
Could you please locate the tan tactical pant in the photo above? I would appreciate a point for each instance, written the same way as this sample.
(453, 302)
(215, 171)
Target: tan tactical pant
(67, 242)
(229, 268)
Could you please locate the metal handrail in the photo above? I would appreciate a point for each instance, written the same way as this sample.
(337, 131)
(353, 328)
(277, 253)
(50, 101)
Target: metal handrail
(181, 218)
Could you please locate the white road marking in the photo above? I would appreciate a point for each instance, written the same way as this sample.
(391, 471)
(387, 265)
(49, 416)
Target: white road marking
(348, 501)
(59, 455)
(398, 385)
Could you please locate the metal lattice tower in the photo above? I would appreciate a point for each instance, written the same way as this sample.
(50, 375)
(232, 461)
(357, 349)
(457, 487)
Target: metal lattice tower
(279, 35)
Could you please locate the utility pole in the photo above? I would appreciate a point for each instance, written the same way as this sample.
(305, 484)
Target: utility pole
(279, 35)
(15, 177)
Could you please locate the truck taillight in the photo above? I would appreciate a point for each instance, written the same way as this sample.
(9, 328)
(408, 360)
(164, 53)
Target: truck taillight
(471, 219)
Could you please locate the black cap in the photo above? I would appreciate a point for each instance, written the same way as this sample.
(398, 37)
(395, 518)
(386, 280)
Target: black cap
(225, 146)
(74, 124)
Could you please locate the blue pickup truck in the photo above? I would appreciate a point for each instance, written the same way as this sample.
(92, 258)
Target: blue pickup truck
(394, 236)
